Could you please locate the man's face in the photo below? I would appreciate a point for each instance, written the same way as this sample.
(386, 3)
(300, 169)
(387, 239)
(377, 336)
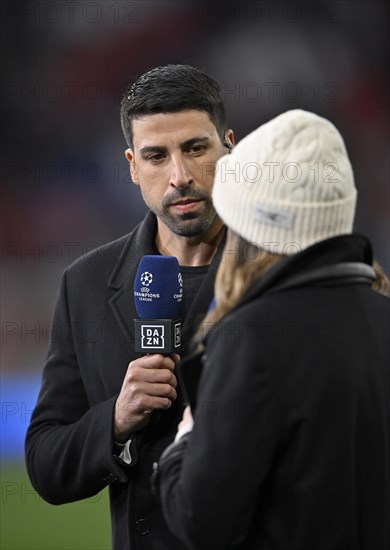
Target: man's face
(173, 162)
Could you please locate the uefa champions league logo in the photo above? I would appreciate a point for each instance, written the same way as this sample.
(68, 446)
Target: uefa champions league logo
(179, 296)
(146, 278)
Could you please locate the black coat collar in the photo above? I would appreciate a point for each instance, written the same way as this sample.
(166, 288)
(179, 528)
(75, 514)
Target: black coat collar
(336, 250)
(139, 243)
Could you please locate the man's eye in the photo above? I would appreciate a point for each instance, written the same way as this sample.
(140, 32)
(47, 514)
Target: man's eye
(197, 149)
(157, 157)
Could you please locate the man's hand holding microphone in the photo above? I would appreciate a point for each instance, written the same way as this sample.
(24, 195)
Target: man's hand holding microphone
(150, 383)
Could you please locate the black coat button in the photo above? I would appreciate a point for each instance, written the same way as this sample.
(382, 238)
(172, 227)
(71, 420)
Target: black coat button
(142, 526)
(110, 478)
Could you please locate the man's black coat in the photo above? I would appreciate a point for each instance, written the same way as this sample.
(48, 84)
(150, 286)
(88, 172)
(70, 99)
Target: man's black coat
(69, 444)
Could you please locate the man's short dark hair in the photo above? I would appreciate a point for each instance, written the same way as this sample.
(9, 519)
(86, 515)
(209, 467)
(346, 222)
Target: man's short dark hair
(170, 89)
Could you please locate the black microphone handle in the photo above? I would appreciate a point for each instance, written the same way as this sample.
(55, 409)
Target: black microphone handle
(157, 336)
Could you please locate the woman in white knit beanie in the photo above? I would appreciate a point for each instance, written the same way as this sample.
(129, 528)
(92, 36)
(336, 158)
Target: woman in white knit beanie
(289, 181)
(289, 445)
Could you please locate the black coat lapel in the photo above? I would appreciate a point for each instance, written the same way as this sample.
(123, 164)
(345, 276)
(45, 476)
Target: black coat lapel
(139, 243)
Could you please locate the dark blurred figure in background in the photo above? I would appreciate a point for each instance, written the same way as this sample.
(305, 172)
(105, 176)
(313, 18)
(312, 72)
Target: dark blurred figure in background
(290, 442)
(91, 426)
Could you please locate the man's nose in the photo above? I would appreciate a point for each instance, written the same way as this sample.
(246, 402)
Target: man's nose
(180, 175)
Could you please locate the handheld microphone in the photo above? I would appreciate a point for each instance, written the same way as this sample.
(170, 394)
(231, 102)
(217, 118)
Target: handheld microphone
(158, 292)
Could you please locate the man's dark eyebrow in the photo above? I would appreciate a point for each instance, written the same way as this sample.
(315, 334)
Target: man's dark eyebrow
(184, 146)
(192, 141)
(153, 149)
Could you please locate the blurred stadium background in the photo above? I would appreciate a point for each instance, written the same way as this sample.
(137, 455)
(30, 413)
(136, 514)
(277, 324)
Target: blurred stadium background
(66, 187)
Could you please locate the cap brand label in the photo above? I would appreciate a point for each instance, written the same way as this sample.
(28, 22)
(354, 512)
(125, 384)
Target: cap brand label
(273, 216)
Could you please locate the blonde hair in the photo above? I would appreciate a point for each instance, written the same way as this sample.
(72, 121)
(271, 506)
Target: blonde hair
(241, 264)
(381, 283)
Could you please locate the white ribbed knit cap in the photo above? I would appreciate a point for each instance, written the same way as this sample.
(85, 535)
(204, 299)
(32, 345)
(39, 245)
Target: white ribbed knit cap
(288, 184)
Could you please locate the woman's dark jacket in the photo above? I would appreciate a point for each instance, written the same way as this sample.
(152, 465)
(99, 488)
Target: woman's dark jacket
(291, 443)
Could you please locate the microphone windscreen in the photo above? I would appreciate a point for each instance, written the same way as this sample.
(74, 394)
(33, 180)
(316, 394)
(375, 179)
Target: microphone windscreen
(158, 287)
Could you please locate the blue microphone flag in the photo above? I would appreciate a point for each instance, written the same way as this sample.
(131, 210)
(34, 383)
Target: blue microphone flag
(158, 287)
(158, 292)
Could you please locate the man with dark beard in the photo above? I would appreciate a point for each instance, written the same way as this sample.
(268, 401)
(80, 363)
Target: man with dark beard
(92, 425)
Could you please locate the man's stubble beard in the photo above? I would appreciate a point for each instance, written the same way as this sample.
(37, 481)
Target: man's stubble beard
(187, 224)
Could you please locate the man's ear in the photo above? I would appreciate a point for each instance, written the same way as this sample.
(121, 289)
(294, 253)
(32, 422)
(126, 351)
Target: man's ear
(133, 167)
(229, 139)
